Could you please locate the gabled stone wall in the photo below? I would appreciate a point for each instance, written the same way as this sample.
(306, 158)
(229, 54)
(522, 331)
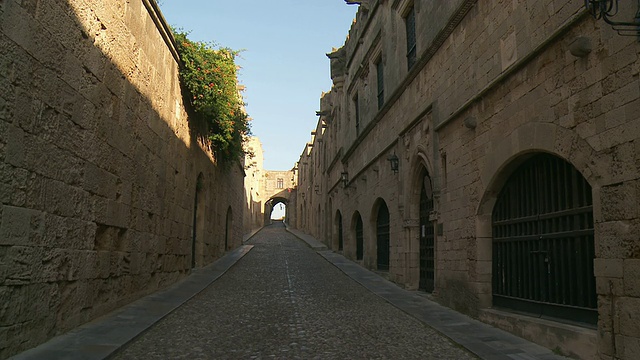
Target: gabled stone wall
(99, 167)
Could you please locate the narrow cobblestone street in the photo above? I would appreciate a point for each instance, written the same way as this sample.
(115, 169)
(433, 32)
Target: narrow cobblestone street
(284, 301)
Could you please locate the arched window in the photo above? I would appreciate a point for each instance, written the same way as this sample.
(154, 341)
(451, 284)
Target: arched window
(543, 243)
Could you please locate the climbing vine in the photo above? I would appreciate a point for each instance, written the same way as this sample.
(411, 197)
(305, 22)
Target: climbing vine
(210, 77)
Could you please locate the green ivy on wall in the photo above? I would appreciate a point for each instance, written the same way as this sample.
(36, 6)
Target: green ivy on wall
(210, 77)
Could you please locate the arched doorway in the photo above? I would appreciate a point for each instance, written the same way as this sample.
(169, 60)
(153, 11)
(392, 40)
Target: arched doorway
(427, 243)
(382, 236)
(543, 241)
(228, 228)
(198, 217)
(359, 230)
(339, 229)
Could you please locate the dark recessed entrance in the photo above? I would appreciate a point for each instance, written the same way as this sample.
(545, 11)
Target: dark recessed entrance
(427, 248)
(359, 238)
(543, 244)
(382, 235)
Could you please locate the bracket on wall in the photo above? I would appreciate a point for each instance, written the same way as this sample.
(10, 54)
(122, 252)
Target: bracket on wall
(607, 9)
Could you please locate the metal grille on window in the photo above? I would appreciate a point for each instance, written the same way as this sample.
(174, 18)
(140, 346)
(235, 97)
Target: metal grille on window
(410, 23)
(359, 239)
(543, 242)
(380, 75)
(382, 234)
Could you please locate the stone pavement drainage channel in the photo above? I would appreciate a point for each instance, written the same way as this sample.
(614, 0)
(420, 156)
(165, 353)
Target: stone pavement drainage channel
(483, 340)
(101, 338)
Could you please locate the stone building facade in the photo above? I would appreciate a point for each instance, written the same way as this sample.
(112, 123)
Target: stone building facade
(107, 192)
(488, 153)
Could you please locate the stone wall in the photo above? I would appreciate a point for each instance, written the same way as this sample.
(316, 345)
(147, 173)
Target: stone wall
(493, 85)
(99, 167)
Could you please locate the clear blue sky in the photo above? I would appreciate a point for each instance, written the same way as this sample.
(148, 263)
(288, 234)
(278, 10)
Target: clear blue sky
(284, 67)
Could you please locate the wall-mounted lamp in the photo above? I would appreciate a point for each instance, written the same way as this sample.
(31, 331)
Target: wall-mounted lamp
(395, 162)
(344, 177)
(302, 195)
(606, 9)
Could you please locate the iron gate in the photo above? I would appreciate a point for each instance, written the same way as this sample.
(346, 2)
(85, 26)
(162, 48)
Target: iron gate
(382, 235)
(359, 239)
(427, 248)
(543, 244)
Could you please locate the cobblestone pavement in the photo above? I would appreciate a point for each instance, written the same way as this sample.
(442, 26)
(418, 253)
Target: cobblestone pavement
(283, 301)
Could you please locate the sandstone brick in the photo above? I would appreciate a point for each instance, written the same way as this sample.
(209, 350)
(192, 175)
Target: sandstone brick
(98, 181)
(609, 286)
(15, 150)
(612, 268)
(629, 316)
(632, 277)
(617, 240)
(618, 202)
(19, 226)
(631, 347)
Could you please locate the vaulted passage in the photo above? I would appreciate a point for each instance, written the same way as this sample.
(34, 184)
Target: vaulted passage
(543, 242)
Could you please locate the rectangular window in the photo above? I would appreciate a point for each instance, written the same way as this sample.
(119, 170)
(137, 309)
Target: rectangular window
(380, 76)
(410, 23)
(356, 104)
(280, 184)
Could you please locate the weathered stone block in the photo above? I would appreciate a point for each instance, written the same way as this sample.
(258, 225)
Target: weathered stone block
(617, 240)
(609, 286)
(15, 150)
(629, 316)
(632, 278)
(612, 268)
(20, 226)
(631, 347)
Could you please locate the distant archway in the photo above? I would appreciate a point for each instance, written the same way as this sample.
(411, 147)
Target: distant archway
(277, 205)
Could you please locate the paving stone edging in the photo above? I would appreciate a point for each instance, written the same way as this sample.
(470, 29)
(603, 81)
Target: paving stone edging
(103, 337)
